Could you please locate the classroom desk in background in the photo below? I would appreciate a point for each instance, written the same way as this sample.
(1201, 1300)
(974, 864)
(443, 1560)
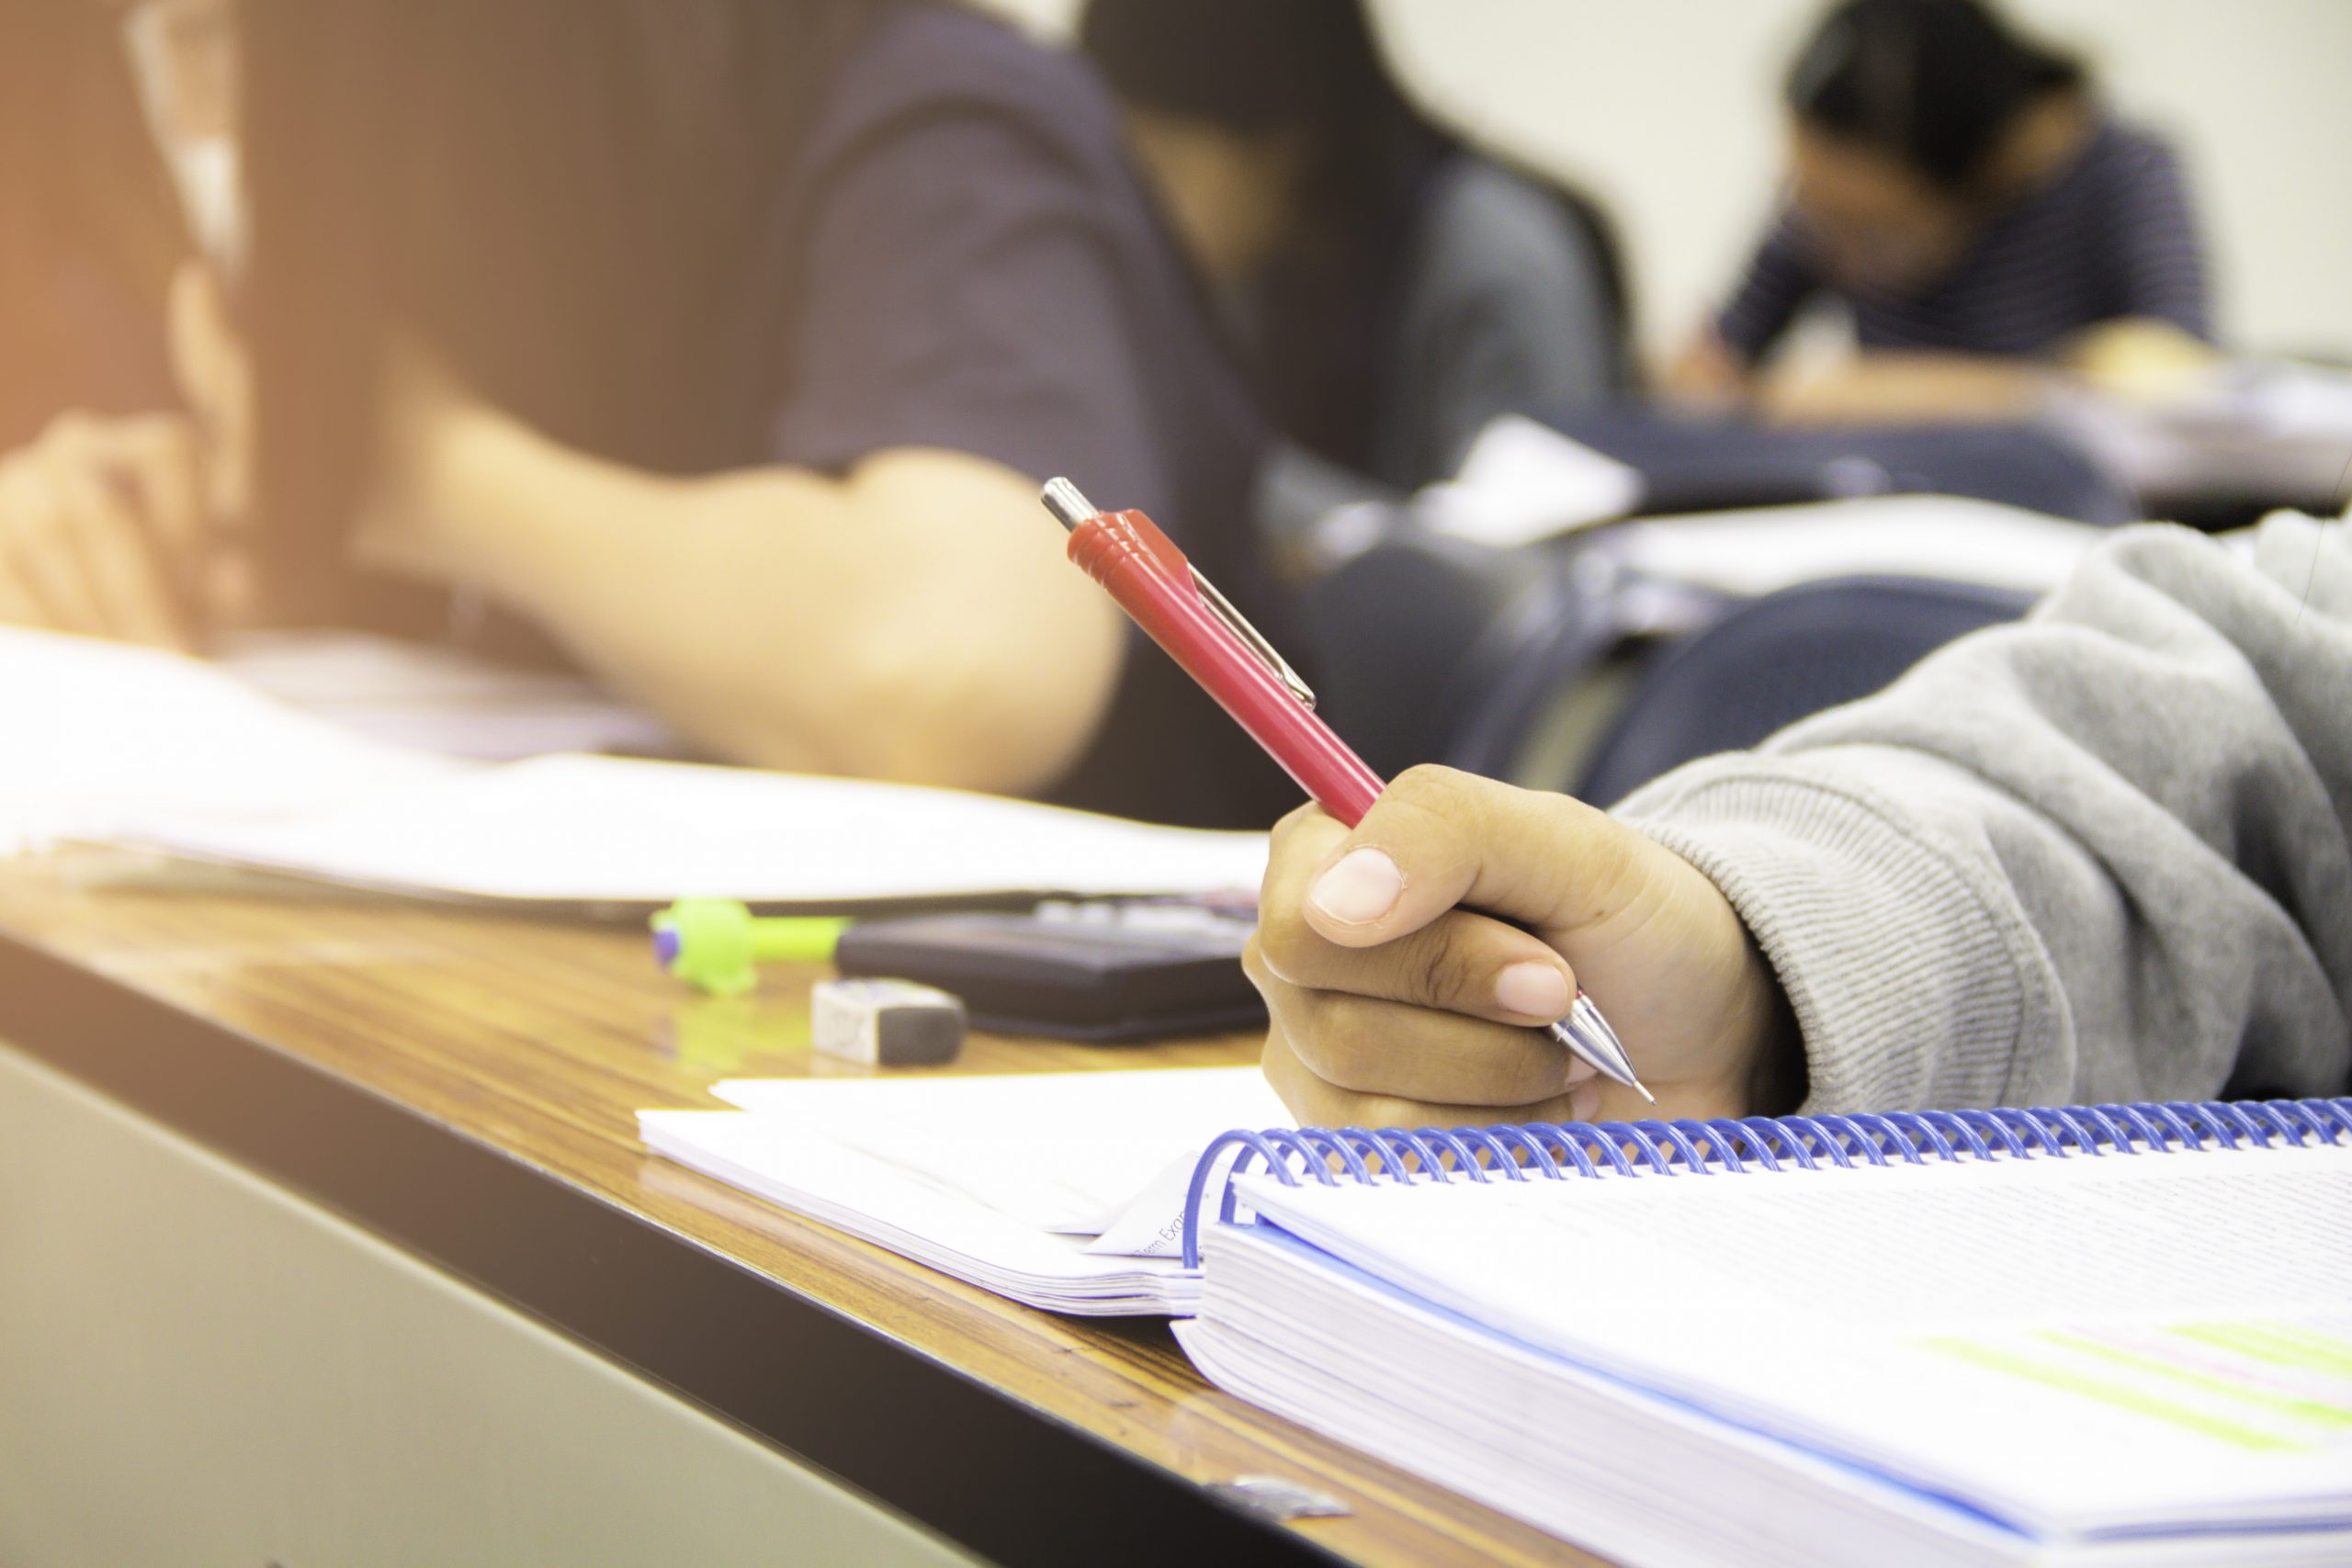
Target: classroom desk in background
(326, 1237)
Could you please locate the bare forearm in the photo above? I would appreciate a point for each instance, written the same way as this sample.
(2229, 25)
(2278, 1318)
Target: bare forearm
(1705, 374)
(912, 621)
(1884, 386)
(2137, 356)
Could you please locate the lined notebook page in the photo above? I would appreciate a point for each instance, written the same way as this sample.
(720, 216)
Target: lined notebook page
(2032, 1329)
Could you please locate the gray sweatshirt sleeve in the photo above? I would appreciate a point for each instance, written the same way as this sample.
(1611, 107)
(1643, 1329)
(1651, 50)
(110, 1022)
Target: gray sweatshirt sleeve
(2102, 854)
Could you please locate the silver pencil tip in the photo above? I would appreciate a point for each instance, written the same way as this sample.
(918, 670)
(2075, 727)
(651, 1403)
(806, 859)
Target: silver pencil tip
(1062, 499)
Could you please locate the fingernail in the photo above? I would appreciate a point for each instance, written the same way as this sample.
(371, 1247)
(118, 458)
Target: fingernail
(1583, 1101)
(1360, 889)
(1536, 990)
(1581, 1071)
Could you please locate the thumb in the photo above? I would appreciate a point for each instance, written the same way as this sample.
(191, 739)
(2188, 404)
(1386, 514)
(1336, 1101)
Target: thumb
(1437, 838)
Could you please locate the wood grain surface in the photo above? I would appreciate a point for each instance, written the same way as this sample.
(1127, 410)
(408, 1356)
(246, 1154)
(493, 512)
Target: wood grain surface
(540, 1038)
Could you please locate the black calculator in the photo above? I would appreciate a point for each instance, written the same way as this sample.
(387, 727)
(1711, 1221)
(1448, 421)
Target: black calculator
(1110, 971)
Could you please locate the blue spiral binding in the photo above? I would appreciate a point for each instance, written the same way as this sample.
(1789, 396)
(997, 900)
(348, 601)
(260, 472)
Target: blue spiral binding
(1808, 1135)
(1556, 1151)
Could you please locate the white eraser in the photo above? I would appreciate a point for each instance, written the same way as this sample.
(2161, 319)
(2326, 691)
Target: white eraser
(887, 1022)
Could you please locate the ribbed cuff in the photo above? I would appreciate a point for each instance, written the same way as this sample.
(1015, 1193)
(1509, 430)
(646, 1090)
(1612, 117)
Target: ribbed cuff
(1913, 982)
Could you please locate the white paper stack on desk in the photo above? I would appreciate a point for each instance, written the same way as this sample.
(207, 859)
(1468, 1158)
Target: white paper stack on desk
(96, 737)
(1062, 1190)
(132, 747)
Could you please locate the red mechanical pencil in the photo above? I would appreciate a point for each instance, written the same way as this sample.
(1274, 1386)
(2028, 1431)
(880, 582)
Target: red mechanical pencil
(1181, 611)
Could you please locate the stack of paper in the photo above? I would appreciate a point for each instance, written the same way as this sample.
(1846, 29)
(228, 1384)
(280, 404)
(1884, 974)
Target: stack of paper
(614, 830)
(2133, 1358)
(98, 738)
(130, 746)
(439, 699)
(1065, 1190)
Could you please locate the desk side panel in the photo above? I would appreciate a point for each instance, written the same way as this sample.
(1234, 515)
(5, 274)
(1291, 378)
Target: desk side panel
(197, 1368)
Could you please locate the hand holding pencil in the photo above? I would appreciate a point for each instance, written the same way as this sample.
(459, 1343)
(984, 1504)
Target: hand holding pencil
(1393, 1003)
(1149, 578)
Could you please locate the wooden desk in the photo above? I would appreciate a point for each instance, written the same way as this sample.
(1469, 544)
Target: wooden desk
(462, 1085)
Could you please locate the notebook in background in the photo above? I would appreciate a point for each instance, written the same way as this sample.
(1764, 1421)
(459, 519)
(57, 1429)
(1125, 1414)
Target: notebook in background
(1062, 1190)
(130, 746)
(2105, 1358)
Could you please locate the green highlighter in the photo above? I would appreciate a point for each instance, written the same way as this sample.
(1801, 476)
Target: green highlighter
(716, 944)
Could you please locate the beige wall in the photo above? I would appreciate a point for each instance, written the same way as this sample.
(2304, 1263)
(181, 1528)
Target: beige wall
(1666, 107)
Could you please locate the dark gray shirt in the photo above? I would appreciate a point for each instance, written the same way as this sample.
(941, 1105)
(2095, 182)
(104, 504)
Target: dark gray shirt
(964, 259)
(2114, 236)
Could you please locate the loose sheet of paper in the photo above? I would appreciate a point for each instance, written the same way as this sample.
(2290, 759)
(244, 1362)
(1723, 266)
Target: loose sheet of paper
(1522, 481)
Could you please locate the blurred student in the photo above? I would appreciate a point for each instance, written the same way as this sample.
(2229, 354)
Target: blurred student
(1963, 193)
(88, 230)
(99, 486)
(725, 342)
(1394, 289)
(2101, 855)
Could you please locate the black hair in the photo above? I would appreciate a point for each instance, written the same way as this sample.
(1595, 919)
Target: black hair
(1313, 67)
(1934, 84)
(1267, 65)
(562, 198)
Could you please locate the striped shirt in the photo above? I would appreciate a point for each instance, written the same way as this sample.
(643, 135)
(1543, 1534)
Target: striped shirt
(2112, 237)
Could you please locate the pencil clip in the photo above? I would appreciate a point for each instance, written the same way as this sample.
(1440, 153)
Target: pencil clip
(1253, 639)
(1070, 508)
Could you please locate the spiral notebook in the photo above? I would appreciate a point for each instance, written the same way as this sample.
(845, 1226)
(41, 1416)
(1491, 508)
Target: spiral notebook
(2088, 1336)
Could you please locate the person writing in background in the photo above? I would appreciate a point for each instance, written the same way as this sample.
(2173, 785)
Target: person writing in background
(722, 344)
(102, 503)
(1963, 193)
(1392, 288)
(2104, 854)
(89, 232)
